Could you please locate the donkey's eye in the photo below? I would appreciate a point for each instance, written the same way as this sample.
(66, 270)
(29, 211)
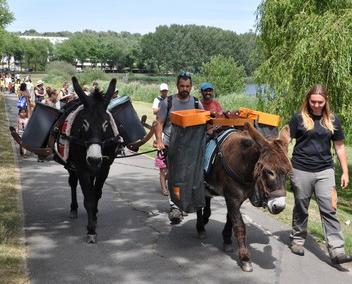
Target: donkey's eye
(105, 125)
(269, 173)
(85, 125)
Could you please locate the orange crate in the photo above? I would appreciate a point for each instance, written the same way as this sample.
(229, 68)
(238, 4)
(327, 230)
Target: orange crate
(189, 117)
(263, 117)
(231, 121)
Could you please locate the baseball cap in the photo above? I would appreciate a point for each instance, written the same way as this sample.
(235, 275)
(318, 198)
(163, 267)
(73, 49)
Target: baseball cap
(163, 87)
(206, 85)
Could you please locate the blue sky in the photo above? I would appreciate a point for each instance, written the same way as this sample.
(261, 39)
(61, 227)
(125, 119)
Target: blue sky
(135, 16)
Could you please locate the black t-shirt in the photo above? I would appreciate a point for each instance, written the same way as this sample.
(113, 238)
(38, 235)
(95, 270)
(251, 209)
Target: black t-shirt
(312, 151)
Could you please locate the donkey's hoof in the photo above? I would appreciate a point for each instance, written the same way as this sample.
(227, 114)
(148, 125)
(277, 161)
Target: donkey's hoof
(246, 266)
(202, 235)
(228, 247)
(73, 214)
(92, 239)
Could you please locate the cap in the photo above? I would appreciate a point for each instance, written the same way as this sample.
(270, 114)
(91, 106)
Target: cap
(206, 85)
(40, 82)
(163, 87)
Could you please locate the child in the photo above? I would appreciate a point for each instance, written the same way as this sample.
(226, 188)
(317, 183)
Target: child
(161, 164)
(21, 124)
(52, 100)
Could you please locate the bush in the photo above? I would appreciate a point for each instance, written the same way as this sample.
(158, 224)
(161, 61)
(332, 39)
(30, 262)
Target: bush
(138, 91)
(58, 72)
(224, 73)
(90, 75)
(235, 101)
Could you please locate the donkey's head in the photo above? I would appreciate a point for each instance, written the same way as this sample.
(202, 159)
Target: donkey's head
(94, 122)
(272, 168)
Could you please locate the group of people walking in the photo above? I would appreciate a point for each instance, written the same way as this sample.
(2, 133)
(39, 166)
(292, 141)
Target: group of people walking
(314, 128)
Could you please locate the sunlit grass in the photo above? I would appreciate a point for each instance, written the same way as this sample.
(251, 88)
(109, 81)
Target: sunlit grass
(12, 252)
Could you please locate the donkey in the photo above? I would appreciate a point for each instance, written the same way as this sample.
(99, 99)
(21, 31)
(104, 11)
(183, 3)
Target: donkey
(94, 141)
(246, 162)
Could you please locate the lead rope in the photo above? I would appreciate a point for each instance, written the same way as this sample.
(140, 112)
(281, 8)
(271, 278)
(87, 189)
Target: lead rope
(136, 154)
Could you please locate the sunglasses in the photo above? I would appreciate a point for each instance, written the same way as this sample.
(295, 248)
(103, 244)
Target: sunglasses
(184, 74)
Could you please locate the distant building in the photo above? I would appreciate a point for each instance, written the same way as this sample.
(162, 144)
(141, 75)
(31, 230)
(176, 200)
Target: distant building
(52, 39)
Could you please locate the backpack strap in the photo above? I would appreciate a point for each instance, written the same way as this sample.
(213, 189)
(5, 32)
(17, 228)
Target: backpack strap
(196, 103)
(169, 105)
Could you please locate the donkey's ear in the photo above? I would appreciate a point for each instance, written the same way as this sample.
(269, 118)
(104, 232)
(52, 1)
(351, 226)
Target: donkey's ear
(110, 91)
(81, 94)
(256, 135)
(284, 134)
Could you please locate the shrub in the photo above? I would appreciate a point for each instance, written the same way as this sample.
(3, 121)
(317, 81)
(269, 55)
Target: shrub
(58, 72)
(224, 73)
(90, 75)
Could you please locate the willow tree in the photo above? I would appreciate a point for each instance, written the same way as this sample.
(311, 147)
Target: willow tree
(304, 43)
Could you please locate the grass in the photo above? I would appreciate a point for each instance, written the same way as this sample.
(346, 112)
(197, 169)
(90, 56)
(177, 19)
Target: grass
(12, 251)
(141, 109)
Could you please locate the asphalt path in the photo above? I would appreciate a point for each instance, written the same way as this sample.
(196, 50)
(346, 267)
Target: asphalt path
(137, 244)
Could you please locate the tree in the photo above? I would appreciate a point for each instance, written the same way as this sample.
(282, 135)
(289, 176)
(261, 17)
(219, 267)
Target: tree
(304, 44)
(6, 17)
(176, 47)
(226, 75)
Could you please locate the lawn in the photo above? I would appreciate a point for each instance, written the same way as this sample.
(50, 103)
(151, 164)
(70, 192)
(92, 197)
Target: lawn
(12, 250)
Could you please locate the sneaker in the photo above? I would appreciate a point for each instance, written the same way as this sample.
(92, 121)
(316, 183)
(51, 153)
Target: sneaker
(339, 258)
(297, 249)
(175, 215)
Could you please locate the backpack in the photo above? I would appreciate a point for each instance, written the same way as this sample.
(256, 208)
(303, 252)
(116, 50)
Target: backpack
(22, 102)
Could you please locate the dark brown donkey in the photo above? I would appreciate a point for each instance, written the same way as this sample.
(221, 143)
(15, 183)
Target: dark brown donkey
(245, 161)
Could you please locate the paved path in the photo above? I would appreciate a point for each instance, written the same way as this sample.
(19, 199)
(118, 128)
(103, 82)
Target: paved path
(136, 243)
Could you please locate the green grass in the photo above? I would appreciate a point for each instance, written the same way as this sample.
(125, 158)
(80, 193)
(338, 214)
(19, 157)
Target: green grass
(12, 251)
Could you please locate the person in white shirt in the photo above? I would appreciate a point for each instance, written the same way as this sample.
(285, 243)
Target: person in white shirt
(164, 89)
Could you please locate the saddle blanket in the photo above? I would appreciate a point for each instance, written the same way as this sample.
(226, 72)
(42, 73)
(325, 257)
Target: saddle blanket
(211, 149)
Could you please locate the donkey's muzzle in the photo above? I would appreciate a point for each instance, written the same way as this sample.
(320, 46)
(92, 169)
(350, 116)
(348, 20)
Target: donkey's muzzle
(276, 204)
(94, 163)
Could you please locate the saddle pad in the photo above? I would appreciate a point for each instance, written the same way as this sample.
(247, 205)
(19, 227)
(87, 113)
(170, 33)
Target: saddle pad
(210, 149)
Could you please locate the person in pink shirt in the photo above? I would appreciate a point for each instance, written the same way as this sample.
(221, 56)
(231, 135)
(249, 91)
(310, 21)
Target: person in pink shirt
(208, 101)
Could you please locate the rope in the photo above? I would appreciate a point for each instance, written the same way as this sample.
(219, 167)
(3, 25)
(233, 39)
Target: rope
(137, 154)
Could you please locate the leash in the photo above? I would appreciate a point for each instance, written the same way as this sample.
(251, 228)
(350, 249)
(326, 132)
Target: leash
(136, 154)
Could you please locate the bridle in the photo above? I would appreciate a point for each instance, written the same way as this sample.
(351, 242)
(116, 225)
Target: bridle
(86, 143)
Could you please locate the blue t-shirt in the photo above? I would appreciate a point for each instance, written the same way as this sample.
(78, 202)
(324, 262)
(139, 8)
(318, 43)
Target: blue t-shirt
(312, 151)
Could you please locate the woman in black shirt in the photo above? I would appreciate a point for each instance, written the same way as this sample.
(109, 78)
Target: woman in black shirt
(314, 127)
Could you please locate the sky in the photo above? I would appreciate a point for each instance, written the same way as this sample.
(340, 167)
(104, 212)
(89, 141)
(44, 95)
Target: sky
(134, 16)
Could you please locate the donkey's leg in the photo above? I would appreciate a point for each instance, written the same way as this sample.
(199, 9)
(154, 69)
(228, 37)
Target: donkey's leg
(239, 231)
(89, 205)
(73, 180)
(98, 185)
(200, 225)
(206, 210)
(227, 234)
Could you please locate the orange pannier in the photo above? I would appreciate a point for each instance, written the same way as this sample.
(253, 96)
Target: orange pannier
(261, 117)
(190, 117)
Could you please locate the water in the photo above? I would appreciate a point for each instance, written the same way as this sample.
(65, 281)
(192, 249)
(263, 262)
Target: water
(251, 89)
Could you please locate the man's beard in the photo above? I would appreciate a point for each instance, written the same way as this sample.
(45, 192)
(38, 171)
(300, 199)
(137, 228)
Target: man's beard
(183, 94)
